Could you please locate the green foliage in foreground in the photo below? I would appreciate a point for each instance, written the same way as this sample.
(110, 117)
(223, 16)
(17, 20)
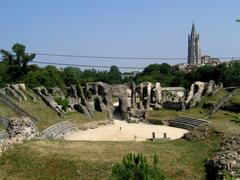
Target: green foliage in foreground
(136, 167)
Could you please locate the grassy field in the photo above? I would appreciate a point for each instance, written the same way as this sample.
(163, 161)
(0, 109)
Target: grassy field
(215, 97)
(5, 111)
(79, 118)
(179, 159)
(222, 120)
(160, 115)
(235, 100)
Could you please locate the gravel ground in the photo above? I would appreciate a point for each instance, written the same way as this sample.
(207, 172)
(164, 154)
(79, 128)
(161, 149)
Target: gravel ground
(123, 131)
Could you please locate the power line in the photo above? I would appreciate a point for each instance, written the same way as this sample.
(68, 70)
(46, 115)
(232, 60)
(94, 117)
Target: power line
(108, 57)
(86, 65)
(83, 65)
(118, 57)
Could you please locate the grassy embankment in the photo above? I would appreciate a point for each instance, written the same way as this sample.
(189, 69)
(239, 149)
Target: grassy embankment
(198, 111)
(222, 120)
(46, 116)
(6, 112)
(179, 159)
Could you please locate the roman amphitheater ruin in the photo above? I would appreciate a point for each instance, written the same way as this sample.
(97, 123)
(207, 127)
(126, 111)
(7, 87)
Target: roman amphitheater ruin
(125, 105)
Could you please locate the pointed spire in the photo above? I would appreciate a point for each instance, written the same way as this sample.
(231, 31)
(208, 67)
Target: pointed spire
(193, 33)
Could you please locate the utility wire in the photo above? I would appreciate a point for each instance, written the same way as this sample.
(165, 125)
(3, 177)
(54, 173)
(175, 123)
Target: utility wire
(106, 57)
(86, 65)
(117, 57)
(82, 65)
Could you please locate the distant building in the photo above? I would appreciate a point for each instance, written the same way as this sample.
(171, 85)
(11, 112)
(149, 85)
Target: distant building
(129, 74)
(194, 51)
(209, 60)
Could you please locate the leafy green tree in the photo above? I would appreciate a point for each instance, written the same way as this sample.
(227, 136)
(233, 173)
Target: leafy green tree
(136, 167)
(114, 75)
(16, 61)
(49, 76)
(72, 75)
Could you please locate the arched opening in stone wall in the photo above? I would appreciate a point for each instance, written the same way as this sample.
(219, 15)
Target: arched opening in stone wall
(117, 108)
(97, 105)
(195, 90)
(100, 90)
(92, 91)
(138, 97)
(144, 97)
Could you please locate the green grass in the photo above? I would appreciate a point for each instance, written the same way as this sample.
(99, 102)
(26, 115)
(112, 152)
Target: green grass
(179, 159)
(45, 115)
(215, 97)
(196, 112)
(79, 118)
(235, 100)
(160, 115)
(5, 111)
(2, 127)
(223, 121)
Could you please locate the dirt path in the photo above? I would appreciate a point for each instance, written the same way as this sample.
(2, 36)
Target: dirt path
(123, 131)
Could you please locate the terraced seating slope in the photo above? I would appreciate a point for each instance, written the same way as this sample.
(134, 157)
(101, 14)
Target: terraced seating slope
(3, 135)
(4, 121)
(4, 99)
(187, 122)
(57, 130)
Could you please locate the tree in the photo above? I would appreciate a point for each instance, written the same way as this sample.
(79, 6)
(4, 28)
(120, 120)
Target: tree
(17, 62)
(114, 75)
(72, 75)
(136, 167)
(49, 76)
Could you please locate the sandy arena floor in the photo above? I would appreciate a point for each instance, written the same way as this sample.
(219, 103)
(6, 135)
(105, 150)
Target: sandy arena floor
(127, 132)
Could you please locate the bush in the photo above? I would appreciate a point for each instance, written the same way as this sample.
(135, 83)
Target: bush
(136, 167)
(62, 102)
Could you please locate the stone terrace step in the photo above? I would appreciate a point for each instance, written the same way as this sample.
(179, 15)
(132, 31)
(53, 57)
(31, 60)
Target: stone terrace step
(187, 122)
(182, 125)
(59, 129)
(190, 121)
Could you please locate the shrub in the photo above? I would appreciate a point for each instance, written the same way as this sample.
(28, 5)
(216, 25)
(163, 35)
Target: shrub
(62, 102)
(136, 167)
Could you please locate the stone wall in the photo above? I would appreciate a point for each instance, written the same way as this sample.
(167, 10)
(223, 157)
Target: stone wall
(19, 129)
(225, 163)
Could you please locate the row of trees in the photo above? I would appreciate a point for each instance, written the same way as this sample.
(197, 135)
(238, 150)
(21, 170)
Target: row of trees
(15, 68)
(229, 75)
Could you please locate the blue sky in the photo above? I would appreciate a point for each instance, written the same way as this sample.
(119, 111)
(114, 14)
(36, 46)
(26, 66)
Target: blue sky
(142, 28)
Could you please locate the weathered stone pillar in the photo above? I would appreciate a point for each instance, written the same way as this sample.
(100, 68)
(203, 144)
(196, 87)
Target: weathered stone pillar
(96, 89)
(158, 93)
(133, 95)
(149, 88)
(141, 96)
